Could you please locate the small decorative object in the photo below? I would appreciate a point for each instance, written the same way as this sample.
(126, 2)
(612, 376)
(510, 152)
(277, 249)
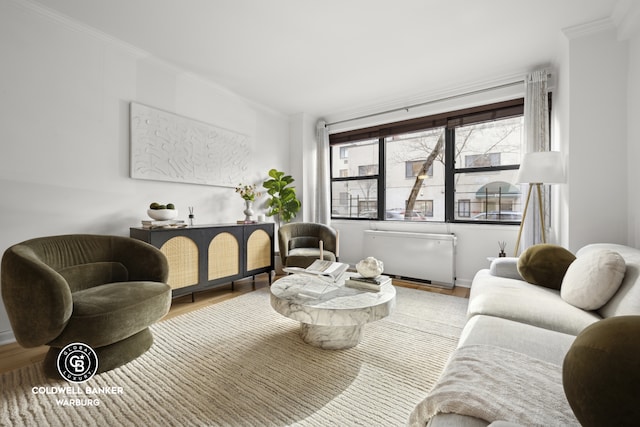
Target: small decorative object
(370, 267)
(249, 194)
(502, 246)
(162, 212)
(248, 210)
(191, 216)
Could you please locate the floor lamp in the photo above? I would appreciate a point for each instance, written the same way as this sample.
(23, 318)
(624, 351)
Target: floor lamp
(538, 168)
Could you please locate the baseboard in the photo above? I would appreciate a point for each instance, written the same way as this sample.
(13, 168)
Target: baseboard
(463, 283)
(7, 337)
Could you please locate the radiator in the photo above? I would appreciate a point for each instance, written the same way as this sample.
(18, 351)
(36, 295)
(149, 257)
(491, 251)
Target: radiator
(423, 256)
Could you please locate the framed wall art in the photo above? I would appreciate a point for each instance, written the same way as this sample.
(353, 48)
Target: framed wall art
(169, 147)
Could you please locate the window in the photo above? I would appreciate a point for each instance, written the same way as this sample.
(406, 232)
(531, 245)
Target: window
(413, 168)
(464, 208)
(482, 160)
(367, 170)
(354, 193)
(457, 166)
(492, 153)
(428, 145)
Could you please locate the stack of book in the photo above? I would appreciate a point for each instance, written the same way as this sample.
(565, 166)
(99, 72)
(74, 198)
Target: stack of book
(367, 283)
(169, 223)
(330, 269)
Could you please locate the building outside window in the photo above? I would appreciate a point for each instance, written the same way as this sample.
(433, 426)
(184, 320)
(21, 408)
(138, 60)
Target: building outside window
(458, 166)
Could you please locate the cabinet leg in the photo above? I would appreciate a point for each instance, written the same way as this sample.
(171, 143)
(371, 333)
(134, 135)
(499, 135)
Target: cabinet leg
(232, 285)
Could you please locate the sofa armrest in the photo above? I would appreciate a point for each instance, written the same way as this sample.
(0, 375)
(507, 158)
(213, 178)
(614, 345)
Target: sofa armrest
(505, 267)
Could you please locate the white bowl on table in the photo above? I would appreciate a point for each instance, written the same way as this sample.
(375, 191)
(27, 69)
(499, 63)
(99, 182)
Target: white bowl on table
(162, 214)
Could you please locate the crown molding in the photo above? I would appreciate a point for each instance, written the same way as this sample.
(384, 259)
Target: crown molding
(589, 28)
(626, 16)
(75, 25)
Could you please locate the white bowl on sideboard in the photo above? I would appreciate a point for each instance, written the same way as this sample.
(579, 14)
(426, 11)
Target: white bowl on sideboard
(162, 214)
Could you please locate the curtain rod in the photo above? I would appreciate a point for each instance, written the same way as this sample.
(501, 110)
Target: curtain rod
(433, 101)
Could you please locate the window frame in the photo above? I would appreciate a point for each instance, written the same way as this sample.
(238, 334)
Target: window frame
(378, 178)
(450, 121)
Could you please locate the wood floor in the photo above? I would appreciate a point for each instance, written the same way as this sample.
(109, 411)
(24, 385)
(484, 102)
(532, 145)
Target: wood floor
(14, 356)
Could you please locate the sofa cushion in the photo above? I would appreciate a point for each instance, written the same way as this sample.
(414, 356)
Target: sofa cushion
(523, 302)
(108, 313)
(545, 265)
(601, 373)
(304, 257)
(540, 343)
(627, 300)
(592, 279)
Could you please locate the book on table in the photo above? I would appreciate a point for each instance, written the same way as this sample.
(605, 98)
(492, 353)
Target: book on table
(367, 283)
(168, 223)
(331, 269)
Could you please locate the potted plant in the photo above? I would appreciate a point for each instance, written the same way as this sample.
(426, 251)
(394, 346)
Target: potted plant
(283, 202)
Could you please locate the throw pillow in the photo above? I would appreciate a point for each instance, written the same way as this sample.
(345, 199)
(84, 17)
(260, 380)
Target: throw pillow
(545, 265)
(601, 373)
(592, 279)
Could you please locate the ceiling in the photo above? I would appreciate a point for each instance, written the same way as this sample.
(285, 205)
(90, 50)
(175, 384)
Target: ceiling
(324, 57)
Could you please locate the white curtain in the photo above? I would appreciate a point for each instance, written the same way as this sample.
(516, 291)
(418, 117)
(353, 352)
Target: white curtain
(536, 138)
(322, 212)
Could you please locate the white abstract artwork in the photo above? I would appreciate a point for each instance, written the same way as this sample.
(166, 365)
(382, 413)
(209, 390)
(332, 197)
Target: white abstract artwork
(169, 147)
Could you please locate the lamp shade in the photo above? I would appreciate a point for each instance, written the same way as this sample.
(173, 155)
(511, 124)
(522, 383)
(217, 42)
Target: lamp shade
(543, 167)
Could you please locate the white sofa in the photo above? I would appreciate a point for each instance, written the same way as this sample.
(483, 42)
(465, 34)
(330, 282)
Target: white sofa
(506, 312)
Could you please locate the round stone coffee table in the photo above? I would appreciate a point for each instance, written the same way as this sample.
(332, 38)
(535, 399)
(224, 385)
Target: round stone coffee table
(331, 315)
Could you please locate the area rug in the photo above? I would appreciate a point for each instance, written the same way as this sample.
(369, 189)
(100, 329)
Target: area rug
(239, 363)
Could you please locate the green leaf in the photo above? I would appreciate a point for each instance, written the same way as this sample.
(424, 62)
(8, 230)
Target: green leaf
(283, 201)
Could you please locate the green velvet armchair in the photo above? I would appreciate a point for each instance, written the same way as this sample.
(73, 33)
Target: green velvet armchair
(299, 243)
(103, 291)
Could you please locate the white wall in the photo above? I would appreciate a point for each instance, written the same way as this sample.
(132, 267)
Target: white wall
(633, 142)
(304, 169)
(597, 131)
(64, 132)
(560, 137)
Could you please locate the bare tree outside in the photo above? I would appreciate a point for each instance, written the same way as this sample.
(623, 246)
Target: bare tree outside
(417, 185)
(479, 145)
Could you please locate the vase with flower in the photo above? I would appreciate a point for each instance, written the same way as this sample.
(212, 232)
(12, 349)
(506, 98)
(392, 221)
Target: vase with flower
(248, 194)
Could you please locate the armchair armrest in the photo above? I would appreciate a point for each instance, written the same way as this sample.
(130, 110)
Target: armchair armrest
(142, 260)
(37, 299)
(505, 267)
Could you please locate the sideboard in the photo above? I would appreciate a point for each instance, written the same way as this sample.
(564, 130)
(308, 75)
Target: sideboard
(206, 256)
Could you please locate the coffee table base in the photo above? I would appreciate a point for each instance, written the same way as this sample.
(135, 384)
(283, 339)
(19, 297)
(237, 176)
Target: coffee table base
(331, 337)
